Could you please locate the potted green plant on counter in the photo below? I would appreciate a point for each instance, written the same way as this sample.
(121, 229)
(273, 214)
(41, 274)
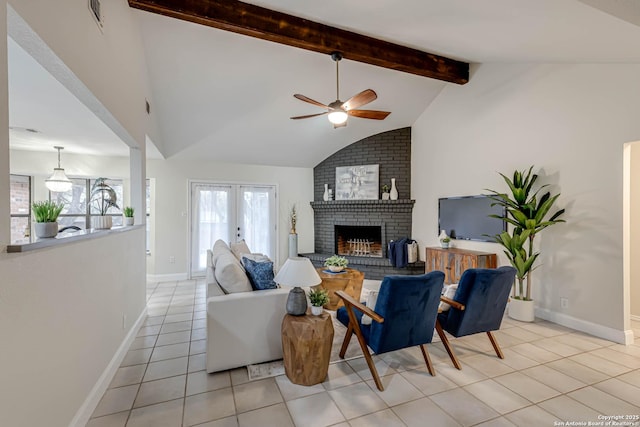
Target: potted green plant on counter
(528, 215)
(46, 217)
(318, 298)
(128, 212)
(102, 198)
(336, 263)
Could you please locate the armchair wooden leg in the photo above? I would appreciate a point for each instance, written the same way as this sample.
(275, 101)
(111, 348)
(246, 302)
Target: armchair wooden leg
(347, 339)
(427, 359)
(495, 344)
(447, 346)
(353, 323)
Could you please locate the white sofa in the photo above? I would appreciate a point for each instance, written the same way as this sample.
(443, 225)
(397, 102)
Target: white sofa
(243, 328)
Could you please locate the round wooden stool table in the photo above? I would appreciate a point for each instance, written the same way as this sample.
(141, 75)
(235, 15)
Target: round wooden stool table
(306, 347)
(350, 281)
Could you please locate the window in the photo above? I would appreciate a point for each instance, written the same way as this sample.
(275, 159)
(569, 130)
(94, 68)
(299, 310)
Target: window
(20, 209)
(77, 212)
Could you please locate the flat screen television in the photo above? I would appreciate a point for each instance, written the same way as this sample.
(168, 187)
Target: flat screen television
(467, 218)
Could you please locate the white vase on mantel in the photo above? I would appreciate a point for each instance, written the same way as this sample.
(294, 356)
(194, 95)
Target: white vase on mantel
(393, 194)
(325, 196)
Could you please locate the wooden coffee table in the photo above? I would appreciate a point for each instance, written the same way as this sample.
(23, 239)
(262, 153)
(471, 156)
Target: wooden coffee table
(349, 281)
(306, 347)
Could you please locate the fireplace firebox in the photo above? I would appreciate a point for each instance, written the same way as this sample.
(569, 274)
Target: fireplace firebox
(359, 240)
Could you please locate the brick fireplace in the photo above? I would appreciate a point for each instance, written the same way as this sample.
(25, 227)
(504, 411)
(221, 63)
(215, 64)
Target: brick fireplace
(362, 229)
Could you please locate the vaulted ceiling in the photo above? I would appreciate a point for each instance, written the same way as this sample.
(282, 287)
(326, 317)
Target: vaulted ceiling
(228, 97)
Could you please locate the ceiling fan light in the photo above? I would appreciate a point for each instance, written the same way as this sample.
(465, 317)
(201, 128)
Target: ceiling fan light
(338, 117)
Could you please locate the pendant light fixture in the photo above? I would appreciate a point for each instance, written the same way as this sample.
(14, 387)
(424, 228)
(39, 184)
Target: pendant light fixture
(58, 182)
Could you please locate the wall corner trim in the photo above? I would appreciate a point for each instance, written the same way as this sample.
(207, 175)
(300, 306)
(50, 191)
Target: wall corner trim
(93, 398)
(616, 335)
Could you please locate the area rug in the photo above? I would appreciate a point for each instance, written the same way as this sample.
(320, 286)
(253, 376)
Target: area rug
(276, 367)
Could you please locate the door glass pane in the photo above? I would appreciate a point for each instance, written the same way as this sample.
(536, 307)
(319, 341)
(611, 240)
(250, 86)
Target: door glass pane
(257, 219)
(211, 220)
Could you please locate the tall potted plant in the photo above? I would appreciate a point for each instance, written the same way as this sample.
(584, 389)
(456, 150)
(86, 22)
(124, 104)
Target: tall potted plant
(46, 216)
(102, 198)
(527, 215)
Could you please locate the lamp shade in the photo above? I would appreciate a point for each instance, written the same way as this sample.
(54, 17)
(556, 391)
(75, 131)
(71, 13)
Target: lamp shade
(297, 271)
(58, 181)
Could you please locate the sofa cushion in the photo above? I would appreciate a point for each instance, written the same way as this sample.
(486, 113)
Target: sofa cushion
(255, 258)
(260, 274)
(219, 247)
(239, 249)
(230, 275)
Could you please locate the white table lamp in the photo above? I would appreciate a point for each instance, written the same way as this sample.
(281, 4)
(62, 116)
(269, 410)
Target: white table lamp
(296, 272)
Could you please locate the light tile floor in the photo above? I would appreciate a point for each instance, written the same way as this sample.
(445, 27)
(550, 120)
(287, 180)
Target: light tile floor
(550, 374)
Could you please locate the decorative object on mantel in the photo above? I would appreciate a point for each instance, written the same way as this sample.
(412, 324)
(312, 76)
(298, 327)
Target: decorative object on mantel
(330, 194)
(444, 239)
(393, 194)
(357, 182)
(336, 263)
(102, 198)
(385, 192)
(128, 212)
(293, 235)
(297, 272)
(526, 213)
(325, 195)
(318, 298)
(58, 181)
(46, 216)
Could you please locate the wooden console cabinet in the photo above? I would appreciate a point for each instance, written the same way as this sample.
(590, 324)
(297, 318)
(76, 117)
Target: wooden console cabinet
(453, 262)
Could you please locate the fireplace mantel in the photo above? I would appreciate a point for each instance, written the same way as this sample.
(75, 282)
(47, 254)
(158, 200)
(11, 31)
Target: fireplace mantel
(362, 204)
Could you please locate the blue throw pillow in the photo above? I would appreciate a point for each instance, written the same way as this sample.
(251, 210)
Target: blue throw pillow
(260, 274)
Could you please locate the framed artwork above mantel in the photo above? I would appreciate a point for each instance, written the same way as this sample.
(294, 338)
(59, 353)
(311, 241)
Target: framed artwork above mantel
(357, 182)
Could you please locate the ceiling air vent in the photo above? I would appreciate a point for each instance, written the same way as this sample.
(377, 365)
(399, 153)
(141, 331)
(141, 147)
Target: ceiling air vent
(96, 12)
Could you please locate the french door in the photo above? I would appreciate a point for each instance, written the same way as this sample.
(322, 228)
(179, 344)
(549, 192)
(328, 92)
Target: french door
(231, 212)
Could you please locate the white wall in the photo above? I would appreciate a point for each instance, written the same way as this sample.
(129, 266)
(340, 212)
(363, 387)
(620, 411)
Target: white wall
(571, 122)
(171, 181)
(61, 309)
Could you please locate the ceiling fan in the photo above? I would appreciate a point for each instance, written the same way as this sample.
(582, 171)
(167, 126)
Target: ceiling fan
(338, 111)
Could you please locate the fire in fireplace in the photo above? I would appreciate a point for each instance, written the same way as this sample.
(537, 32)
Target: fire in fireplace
(359, 240)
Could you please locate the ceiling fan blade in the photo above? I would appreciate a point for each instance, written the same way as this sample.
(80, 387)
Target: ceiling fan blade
(309, 100)
(364, 97)
(369, 114)
(309, 115)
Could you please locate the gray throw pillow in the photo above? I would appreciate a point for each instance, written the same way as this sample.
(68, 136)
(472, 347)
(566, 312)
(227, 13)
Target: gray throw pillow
(230, 274)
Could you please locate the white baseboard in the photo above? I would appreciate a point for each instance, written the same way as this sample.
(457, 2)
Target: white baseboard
(84, 413)
(615, 335)
(636, 318)
(167, 277)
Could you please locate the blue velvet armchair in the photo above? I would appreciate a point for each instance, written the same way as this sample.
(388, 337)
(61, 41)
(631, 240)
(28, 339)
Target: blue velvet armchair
(404, 316)
(477, 306)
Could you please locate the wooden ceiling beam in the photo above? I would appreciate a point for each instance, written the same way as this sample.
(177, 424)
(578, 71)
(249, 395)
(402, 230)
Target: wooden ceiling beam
(266, 24)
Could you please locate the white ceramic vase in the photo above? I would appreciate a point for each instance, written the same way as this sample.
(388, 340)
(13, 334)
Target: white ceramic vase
(521, 310)
(393, 194)
(325, 195)
(316, 311)
(46, 229)
(335, 268)
(128, 220)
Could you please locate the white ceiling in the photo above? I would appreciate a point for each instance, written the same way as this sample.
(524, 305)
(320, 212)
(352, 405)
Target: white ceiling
(226, 97)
